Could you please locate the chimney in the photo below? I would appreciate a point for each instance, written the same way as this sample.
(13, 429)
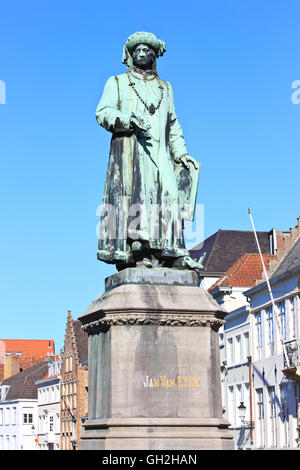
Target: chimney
(11, 365)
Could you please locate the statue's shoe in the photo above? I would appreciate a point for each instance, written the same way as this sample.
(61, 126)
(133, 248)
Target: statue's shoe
(145, 263)
(189, 263)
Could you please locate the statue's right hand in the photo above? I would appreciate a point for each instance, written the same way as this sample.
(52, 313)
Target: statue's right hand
(140, 125)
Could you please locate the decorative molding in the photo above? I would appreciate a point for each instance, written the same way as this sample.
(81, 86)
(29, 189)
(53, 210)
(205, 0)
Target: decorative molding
(175, 319)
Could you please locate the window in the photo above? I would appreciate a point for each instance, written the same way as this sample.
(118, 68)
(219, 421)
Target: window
(69, 364)
(3, 391)
(27, 418)
(51, 423)
(292, 316)
(284, 415)
(221, 339)
(246, 351)
(7, 417)
(229, 352)
(270, 330)
(272, 416)
(238, 349)
(258, 335)
(231, 415)
(283, 320)
(260, 417)
(14, 415)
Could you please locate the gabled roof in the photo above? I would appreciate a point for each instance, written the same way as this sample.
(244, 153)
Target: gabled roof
(222, 249)
(244, 272)
(30, 347)
(22, 385)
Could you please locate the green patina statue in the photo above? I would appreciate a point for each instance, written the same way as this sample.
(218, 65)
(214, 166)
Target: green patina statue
(151, 181)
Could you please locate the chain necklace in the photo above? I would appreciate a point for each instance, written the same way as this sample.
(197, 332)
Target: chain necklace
(152, 108)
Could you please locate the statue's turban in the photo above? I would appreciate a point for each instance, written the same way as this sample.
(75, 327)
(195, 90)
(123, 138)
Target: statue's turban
(141, 37)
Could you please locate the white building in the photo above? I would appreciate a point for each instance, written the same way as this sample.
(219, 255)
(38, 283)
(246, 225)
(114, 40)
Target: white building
(236, 376)
(276, 386)
(48, 390)
(18, 409)
(235, 345)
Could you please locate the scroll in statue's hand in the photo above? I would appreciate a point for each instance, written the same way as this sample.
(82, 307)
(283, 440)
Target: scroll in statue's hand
(187, 160)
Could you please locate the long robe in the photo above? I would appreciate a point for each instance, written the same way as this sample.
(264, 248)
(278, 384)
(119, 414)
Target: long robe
(140, 199)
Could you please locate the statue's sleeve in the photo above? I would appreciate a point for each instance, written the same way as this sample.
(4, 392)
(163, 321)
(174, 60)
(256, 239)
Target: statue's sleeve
(108, 113)
(176, 139)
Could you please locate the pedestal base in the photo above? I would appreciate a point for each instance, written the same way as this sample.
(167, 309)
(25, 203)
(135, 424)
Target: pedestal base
(157, 434)
(154, 372)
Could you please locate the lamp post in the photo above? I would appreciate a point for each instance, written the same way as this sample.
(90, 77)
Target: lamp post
(242, 415)
(242, 412)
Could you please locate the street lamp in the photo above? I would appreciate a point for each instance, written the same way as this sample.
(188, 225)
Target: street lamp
(242, 412)
(242, 415)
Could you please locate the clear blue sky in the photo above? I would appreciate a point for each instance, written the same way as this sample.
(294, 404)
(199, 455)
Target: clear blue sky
(231, 64)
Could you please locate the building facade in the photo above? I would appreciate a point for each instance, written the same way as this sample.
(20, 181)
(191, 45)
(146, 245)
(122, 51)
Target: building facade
(236, 376)
(275, 341)
(274, 311)
(74, 384)
(18, 409)
(235, 345)
(48, 392)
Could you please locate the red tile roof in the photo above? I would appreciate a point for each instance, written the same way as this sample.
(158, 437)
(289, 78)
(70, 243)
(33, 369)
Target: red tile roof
(30, 347)
(244, 272)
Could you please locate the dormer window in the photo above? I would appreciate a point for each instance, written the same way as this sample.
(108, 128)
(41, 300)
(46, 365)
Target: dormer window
(3, 392)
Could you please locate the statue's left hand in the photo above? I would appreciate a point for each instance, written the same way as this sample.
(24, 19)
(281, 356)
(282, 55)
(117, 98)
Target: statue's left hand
(186, 160)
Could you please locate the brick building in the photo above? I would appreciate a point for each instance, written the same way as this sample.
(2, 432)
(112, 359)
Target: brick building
(17, 355)
(74, 384)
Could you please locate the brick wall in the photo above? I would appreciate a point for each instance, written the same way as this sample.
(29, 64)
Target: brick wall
(82, 399)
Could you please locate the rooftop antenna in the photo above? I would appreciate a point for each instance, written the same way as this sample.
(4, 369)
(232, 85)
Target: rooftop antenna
(270, 292)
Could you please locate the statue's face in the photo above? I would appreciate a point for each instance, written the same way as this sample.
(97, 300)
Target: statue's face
(143, 56)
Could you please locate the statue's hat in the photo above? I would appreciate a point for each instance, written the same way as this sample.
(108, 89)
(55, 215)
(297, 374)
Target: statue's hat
(142, 37)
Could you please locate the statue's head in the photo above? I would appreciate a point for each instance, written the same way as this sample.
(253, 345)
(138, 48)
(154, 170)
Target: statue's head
(142, 49)
(143, 56)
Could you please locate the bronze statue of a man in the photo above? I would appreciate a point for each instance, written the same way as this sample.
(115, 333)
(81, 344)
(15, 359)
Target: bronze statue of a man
(141, 223)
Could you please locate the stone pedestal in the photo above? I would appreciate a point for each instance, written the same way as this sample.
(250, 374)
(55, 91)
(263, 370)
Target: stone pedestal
(154, 372)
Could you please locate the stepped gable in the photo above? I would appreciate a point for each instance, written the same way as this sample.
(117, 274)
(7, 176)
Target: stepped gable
(22, 385)
(222, 249)
(76, 339)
